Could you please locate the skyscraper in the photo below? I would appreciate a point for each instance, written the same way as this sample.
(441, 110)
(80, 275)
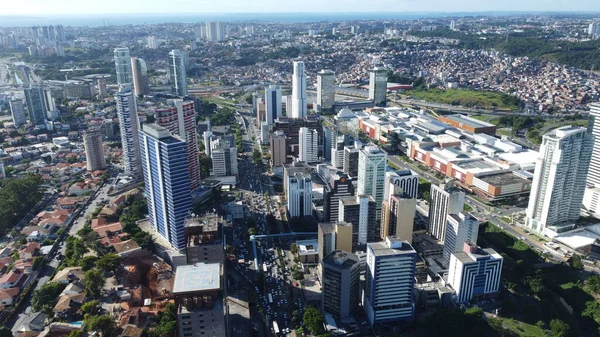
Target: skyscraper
(94, 152)
(224, 158)
(334, 236)
(123, 66)
(17, 110)
(360, 212)
(390, 281)
(401, 182)
(180, 119)
(460, 228)
(299, 101)
(559, 179)
(36, 104)
(378, 86)
(351, 153)
(177, 74)
(371, 174)
(139, 73)
(272, 103)
(325, 90)
(308, 145)
(129, 126)
(445, 199)
(340, 282)
(339, 185)
(215, 31)
(593, 176)
(167, 182)
(398, 217)
(299, 195)
(278, 149)
(207, 137)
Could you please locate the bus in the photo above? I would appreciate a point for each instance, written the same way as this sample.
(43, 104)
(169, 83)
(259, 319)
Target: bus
(270, 298)
(275, 328)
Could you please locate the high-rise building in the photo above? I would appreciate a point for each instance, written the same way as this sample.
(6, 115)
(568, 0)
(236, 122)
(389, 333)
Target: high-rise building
(339, 185)
(17, 110)
(594, 28)
(329, 132)
(460, 228)
(129, 126)
(167, 181)
(308, 145)
(299, 195)
(299, 99)
(278, 149)
(593, 176)
(334, 236)
(325, 90)
(273, 108)
(224, 158)
(390, 281)
(101, 89)
(36, 104)
(151, 42)
(204, 239)
(340, 282)
(559, 180)
(94, 152)
(198, 292)
(180, 119)
(401, 182)
(123, 66)
(200, 32)
(337, 149)
(398, 217)
(289, 170)
(445, 199)
(139, 72)
(378, 86)
(177, 74)
(351, 153)
(360, 212)
(207, 138)
(215, 31)
(372, 162)
(452, 25)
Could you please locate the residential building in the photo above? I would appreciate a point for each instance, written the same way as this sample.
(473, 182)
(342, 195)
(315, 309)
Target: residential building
(224, 158)
(198, 291)
(593, 176)
(123, 66)
(325, 90)
(401, 182)
(308, 145)
(560, 177)
(378, 86)
(390, 280)
(167, 178)
(215, 31)
(299, 99)
(94, 151)
(372, 162)
(290, 169)
(273, 107)
(177, 73)
(339, 185)
(360, 212)
(475, 272)
(36, 104)
(334, 236)
(139, 73)
(460, 228)
(398, 217)
(299, 195)
(207, 138)
(17, 110)
(340, 283)
(204, 239)
(129, 125)
(291, 128)
(278, 149)
(351, 154)
(444, 199)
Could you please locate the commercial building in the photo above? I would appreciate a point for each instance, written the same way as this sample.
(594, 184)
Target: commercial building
(334, 236)
(351, 154)
(299, 99)
(290, 169)
(17, 111)
(299, 195)
(559, 179)
(325, 90)
(204, 239)
(198, 292)
(139, 72)
(469, 124)
(390, 280)
(129, 125)
(398, 217)
(340, 284)
(224, 158)
(360, 212)
(123, 66)
(215, 31)
(475, 272)
(308, 145)
(278, 149)
(177, 73)
(402, 182)
(94, 152)
(338, 185)
(445, 199)
(273, 107)
(372, 162)
(378, 86)
(291, 129)
(36, 104)
(167, 181)
(460, 228)
(207, 138)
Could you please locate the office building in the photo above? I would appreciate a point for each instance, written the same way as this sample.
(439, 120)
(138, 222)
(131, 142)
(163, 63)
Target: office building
(123, 66)
(475, 272)
(402, 182)
(177, 74)
(94, 151)
(291, 128)
(325, 90)
(360, 212)
(337, 149)
(278, 149)
(340, 283)
(444, 199)
(139, 72)
(224, 158)
(204, 239)
(180, 119)
(215, 31)
(334, 236)
(17, 111)
(198, 292)
(167, 181)
(36, 104)
(372, 162)
(129, 126)
(560, 177)
(398, 217)
(299, 98)
(273, 107)
(390, 280)
(299, 195)
(338, 185)
(460, 228)
(378, 86)
(593, 176)
(207, 138)
(328, 135)
(308, 145)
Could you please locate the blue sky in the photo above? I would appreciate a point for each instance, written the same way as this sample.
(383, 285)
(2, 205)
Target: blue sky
(46, 7)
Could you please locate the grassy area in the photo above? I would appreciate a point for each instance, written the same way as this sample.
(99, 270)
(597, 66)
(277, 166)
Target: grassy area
(218, 100)
(503, 132)
(468, 98)
(481, 118)
(512, 246)
(522, 328)
(467, 208)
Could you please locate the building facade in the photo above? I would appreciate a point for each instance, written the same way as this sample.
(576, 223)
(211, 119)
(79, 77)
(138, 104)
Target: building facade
(340, 284)
(360, 212)
(129, 125)
(378, 86)
(403, 182)
(94, 152)
(36, 104)
(224, 158)
(123, 66)
(139, 72)
(445, 199)
(177, 73)
(299, 99)
(460, 228)
(334, 236)
(372, 162)
(398, 217)
(339, 185)
(273, 107)
(308, 145)
(17, 111)
(278, 149)
(325, 90)
(299, 195)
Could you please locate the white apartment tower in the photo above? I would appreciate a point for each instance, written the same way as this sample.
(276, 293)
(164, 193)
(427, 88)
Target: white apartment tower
(325, 90)
(17, 110)
(123, 66)
(299, 194)
(308, 145)
(593, 176)
(560, 177)
(272, 104)
(224, 158)
(298, 91)
(372, 162)
(460, 228)
(445, 199)
(215, 31)
(129, 126)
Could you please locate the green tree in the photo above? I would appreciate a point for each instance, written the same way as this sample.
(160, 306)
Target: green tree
(91, 307)
(593, 283)
(256, 156)
(252, 231)
(592, 310)
(576, 262)
(5, 332)
(313, 320)
(94, 282)
(109, 262)
(165, 324)
(145, 240)
(44, 299)
(559, 328)
(294, 248)
(75, 333)
(88, 262)
(18, 196)
(102, 324)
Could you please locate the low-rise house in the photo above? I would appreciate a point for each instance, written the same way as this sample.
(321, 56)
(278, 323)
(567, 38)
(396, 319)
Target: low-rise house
(7, 296)
(29, 251)
(12, 279)
(69, 275)
(68, 305)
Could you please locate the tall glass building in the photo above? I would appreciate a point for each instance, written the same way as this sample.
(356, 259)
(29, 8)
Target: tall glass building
(123, 66)
(177, 74)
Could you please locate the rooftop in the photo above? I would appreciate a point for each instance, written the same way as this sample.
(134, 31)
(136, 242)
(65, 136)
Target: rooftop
(391, 246)
(506, 178)
(468, 121)
(197, 277)
(341, 259)
(307, 247)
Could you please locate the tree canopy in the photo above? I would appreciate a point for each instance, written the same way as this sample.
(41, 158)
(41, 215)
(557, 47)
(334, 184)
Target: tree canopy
(44, 299)
(17, 197)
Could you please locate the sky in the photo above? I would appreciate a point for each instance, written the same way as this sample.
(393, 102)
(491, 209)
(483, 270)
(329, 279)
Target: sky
(79, 7)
